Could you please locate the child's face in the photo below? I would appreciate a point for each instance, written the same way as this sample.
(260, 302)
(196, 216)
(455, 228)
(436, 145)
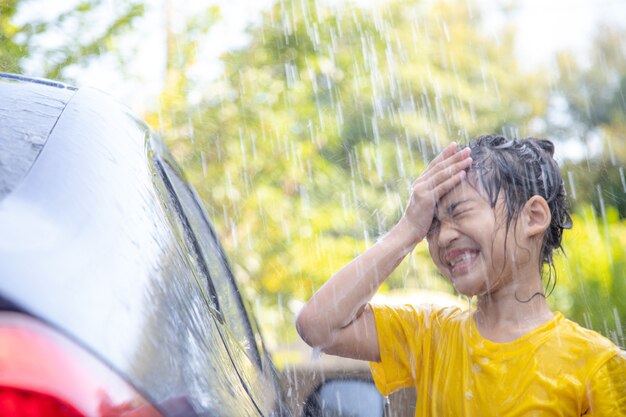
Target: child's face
(468, 239)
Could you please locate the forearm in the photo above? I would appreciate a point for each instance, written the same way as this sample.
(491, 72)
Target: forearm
(342, 298)
(331, 318)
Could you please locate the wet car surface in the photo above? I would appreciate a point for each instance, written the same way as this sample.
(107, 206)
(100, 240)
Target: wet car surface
(116, 296)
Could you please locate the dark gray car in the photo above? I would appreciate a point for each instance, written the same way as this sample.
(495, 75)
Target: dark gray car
(116, 298)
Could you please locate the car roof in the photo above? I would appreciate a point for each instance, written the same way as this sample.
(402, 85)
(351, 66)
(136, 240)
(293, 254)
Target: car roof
(29, 109)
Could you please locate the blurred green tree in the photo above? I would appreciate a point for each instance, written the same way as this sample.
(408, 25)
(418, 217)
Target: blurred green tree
(592, 274)
(23, 40)
(590, 93)
(306, 147)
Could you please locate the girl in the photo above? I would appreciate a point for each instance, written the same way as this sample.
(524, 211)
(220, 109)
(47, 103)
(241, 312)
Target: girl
(492, 214)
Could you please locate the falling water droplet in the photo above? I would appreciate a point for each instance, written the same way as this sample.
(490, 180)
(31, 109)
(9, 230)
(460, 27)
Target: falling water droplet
(606, 223)
(572, 184)
(618, 323)
(203, 161)
(316, 354)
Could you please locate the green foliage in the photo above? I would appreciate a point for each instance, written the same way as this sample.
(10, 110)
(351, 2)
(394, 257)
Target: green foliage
(591, 90)
(597, 181)
(12, 50)
(592, 277)
(23, 40)
(592, 274)
(593, 87)
(306, 148)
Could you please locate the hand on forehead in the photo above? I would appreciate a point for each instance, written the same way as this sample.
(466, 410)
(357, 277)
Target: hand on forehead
(461, 195)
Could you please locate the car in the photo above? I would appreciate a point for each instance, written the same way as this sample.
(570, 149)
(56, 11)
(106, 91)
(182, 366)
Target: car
(116, 297)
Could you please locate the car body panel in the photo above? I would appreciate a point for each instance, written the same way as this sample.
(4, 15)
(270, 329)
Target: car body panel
(244, 341)
(91, 242)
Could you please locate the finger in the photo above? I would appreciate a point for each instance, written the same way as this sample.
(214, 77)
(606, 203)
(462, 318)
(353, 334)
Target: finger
(445, 153)
(451, 166)
(457, 156)
(443, 171)
(446, 186)
(449, 161)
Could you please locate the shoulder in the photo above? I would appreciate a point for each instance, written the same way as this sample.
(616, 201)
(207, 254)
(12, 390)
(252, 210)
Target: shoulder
(585, 339)
(584, 346)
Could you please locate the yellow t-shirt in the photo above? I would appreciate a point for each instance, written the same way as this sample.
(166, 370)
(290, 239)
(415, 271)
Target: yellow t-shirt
(557, 369)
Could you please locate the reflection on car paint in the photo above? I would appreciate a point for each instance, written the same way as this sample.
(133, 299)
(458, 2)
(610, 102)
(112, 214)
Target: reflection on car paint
(122, 285)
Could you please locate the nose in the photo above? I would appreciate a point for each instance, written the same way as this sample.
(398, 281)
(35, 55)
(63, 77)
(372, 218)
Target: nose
(447, 233)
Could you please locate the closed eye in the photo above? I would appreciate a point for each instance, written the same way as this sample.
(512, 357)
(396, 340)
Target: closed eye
(458, 214)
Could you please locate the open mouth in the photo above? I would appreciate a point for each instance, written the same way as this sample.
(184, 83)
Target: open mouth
(461, 261)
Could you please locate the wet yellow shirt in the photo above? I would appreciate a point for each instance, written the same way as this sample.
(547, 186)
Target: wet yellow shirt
(557, 369)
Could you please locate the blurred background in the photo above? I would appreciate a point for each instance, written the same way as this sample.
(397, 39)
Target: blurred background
(302, 123)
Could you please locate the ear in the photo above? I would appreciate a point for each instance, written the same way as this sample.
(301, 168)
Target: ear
(536, 216)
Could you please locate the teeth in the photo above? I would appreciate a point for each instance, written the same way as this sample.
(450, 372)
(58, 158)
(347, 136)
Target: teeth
(464, 257)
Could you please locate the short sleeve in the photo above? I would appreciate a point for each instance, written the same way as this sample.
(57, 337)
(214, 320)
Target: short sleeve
(607, 389)
(399, 331)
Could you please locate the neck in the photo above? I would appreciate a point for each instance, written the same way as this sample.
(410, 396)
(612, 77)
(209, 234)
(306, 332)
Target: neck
(513, 309)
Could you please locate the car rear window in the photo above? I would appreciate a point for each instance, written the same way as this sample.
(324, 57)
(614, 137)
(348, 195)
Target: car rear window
(29, 110)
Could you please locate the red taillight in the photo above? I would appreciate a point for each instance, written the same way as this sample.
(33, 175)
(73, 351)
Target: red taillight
(44, 374)
(15, 402)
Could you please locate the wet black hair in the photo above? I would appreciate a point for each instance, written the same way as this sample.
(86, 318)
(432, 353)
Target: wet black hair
(520, 169)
